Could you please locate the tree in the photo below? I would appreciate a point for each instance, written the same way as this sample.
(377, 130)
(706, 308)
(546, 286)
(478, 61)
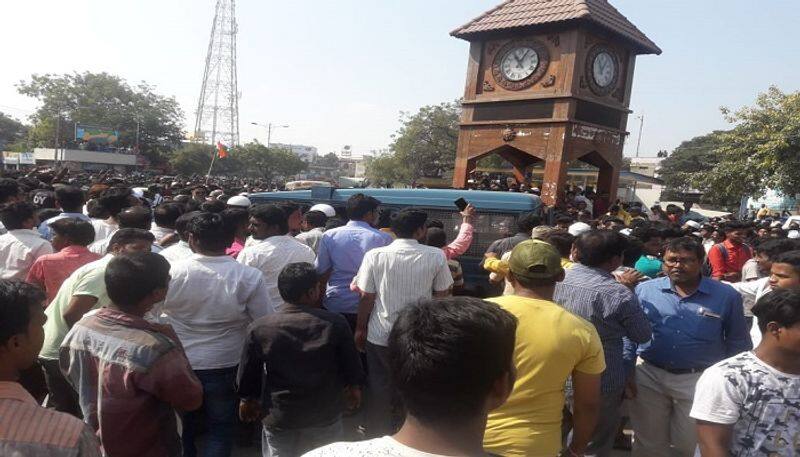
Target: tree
(11, 131)
(328, 160)
(385, 170)
(105, 100)
(424, 146)
(192, 158)
(267, 163)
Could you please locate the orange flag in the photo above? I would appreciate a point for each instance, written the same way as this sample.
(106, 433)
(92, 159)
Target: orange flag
(222, 151)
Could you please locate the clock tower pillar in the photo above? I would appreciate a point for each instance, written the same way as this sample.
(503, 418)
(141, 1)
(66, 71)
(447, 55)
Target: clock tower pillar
(549, 81)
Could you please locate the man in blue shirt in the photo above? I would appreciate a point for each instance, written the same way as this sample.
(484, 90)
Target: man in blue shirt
(70, 199)
(696, 323)
(341, 251)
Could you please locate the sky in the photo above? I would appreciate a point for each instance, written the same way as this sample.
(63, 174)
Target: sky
(340, 72)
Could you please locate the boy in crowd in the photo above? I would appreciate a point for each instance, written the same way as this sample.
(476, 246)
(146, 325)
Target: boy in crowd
(22, 245)
(83, 291)
(70, 199)
(303, 358)
(433, 350)
(313, 226)
(750, 404)
(145, 372)
(26, 429)
(70, 238)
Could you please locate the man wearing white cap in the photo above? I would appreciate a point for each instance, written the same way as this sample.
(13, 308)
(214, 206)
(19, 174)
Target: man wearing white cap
(328, 210)
(239, 201)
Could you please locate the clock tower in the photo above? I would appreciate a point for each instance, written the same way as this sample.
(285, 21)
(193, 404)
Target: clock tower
(549, 81)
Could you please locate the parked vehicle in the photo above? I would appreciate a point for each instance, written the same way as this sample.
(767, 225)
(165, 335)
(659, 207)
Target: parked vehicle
(496, 214)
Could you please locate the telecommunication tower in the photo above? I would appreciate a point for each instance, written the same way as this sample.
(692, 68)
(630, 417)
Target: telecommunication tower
(218, 108)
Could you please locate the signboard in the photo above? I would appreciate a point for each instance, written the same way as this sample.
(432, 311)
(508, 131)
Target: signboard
(18, 158)
(95, 134)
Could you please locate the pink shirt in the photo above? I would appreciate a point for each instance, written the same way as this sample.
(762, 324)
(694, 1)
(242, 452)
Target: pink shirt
(51, 270)
(235, 249)
(461, 243)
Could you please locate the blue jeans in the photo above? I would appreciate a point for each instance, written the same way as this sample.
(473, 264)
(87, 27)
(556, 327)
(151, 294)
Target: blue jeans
(219, 412)
(296, 442)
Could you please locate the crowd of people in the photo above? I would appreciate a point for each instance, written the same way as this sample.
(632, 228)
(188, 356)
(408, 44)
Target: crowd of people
(151, 316)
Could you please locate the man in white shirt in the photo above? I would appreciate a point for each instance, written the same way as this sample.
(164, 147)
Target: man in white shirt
(9, 193)
(784, 274)
(22, 245)
(136, 217)
(211, 301)
(390, 279)
(180, 250)
(112, 202)
(269, 224)
(749, 404)
(313, 228)
(163, 226)
(452, 363)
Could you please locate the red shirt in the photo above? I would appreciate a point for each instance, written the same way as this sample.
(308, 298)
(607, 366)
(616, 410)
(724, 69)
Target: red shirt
(738, 254)
(51, 270)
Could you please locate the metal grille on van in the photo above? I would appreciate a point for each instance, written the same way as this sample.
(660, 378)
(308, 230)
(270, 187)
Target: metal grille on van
(489, 227)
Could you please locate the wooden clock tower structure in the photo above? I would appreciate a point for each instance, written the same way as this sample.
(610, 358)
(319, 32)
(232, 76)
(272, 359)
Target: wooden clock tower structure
(549, 81)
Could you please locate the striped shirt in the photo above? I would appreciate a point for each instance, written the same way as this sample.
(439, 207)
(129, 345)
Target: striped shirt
(28, 430)
(131, 375)
(400, 274)
(613, 309)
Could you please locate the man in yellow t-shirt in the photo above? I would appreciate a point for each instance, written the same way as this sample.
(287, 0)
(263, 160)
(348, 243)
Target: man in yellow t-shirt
(552, 344)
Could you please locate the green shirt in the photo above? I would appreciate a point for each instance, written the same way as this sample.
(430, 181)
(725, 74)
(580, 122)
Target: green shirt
(86, 280)
(649, 266)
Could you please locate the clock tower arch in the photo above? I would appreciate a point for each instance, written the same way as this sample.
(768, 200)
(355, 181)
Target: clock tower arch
(549, 81)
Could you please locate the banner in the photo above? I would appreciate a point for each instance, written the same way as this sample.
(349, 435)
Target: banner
(95, 134)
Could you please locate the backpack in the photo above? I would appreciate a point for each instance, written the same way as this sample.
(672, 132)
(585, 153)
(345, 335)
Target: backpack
(707, 270)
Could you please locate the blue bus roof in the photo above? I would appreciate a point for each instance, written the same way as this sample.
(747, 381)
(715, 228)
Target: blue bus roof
(431, 198)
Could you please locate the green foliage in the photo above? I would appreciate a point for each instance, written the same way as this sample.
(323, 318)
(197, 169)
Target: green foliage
(192, 158)
(423, 147)
(328, 160)
(12, 131)
(760, 152)
(105, 100)
(270, 164)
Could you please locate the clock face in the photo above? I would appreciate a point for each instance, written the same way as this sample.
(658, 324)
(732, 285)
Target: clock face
(604, 69)
(519, 63)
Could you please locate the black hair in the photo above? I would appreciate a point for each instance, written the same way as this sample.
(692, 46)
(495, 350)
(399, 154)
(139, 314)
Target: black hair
(138, 217)
(433, 349)
(597, 247)
(526, 222)
(735, 225)
(213, 206)
(434, 223)
(14, 215)
(9, 189)
(46, 213)
(271, 215)
(315, 218)
(790, 258)
(408, 221)
(296, 280)
(131, 277)
(385, 218)
(564, 219)
(70, 199)
(16, 300)
(288, 208)
(95, 210)
(781, 306)
(686, 244)
(78, 232)
(612, 219)
(166, 214)
(115, 199)
(182, 223)
(210, 231)
(130, 235)
(359, 205)
(436, 237)
(774, 247)
(333, 223)
(561, 240)
(235, 217)
(633, 251)
(646, 233)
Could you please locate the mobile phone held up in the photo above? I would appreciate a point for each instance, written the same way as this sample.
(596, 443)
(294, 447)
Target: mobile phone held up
(461, 204)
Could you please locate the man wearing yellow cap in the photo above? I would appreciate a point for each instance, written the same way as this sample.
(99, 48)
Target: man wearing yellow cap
(552, 344)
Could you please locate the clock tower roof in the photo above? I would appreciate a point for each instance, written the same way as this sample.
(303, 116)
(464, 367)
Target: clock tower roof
(515, 14)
